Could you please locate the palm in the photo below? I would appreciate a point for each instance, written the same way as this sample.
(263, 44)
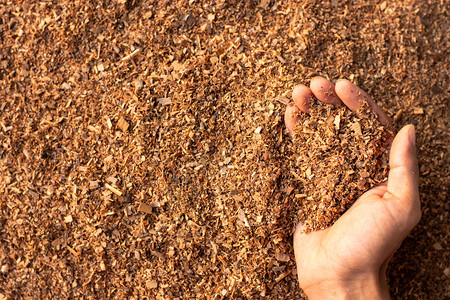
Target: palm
(354, 243)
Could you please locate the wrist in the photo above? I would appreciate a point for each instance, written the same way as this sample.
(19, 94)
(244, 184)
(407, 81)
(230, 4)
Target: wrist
(364, 286)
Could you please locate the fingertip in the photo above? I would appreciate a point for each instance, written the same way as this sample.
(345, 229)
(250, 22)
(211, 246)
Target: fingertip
(403, 143)
(291, 117)
(404, 171)
(348, 93)
(352, 95)
(324, 90)
(302, 95)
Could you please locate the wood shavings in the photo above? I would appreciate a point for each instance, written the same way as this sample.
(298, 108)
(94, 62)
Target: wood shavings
(418, 111)
(68, 72)
(165, 101)
(337, 121)
(151, 284)
(346, 161)
(282, 257)
(131, 55)
(356, 127)
(145, 208)
(123, 124)
(242, 217)
(113, 189)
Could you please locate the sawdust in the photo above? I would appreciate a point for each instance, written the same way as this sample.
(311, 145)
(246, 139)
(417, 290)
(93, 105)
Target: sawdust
(339, 155)
(143, 151)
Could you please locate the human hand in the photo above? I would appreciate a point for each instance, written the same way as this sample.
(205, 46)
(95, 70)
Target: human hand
(349, 259)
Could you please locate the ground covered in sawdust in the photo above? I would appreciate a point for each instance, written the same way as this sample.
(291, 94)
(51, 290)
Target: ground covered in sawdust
(143, 149)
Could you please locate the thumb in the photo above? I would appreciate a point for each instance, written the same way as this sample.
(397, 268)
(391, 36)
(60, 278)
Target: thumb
(403, 174)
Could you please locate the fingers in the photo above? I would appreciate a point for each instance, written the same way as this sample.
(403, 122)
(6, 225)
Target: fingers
(403, 174)
(302, 95)
(327, 92)
(291, 117)
(323, 89)
(351, 95)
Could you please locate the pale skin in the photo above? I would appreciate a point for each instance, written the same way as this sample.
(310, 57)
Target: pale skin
(349, 259)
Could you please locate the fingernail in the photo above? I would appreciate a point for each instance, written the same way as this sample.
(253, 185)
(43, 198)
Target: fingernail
(412, 135)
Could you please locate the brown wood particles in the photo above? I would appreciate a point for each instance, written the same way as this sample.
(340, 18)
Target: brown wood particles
(339, 155)
(143, 151)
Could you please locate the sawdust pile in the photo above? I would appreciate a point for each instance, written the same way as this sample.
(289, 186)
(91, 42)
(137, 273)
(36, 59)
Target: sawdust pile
(143, 151)
(339, 155)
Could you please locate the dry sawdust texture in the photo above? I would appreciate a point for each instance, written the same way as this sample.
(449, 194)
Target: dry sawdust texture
(339, 154)
(143, 151)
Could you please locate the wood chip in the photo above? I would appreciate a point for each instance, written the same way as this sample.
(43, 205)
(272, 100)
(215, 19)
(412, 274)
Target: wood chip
(100, 68)
(93, 184)
(165, 101)
(72, 250)
(282, 276)
(102, 265)
(57, 242)
(123, 124)
(243, 218)
(113, 189)
(438, 246)
(131, 55)
(145, 208)
(151, 284)
(418, 111)
(282, 257)
(337, 121)
(356, 127)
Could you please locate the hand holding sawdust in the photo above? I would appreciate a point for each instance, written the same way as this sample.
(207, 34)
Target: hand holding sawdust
(338, 155)
(350, 257)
